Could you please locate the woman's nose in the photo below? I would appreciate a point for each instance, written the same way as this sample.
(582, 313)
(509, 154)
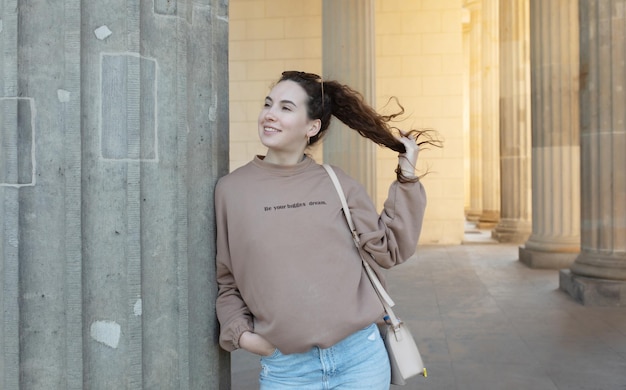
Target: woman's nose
(269, 114)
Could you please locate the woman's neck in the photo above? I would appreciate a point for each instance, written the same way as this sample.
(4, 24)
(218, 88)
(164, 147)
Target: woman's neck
(283, 158)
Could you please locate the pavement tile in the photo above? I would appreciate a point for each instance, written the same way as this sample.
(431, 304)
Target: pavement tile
(501, 376)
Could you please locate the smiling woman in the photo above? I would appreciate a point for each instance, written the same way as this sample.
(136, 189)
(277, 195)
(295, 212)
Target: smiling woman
(291, 286)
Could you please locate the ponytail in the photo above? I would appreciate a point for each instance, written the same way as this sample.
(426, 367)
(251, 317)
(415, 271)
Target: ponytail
(329, 98)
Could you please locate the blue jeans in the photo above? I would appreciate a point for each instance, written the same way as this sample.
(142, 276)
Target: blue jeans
(357, 362)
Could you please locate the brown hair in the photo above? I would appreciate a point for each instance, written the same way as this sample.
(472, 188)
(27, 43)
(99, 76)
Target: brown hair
(329, 98)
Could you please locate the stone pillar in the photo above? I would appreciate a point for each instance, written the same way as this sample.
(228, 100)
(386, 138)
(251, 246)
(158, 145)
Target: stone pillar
(555, 239)
(348, 57)
(475, 113)
(115, 129)
(466, 30)
(16, 177)
(598, 276)
(490, 110)
(515, 169)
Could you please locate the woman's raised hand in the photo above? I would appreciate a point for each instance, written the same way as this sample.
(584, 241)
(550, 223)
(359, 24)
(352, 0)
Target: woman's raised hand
(408, 159)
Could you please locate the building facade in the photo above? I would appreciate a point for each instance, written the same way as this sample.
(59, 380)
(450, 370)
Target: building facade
(118, 117)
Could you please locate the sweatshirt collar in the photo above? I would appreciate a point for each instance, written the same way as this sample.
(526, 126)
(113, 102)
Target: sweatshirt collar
(282, 170)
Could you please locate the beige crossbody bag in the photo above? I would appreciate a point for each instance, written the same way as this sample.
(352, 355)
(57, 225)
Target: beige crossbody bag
(404, 357)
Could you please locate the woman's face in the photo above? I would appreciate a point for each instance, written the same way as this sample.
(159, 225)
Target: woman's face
(284, 125)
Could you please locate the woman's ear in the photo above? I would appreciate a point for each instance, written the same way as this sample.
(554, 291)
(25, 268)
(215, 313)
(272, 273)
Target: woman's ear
(315, 127)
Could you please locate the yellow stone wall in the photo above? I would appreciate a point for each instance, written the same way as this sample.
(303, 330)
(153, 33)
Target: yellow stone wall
(419, 59)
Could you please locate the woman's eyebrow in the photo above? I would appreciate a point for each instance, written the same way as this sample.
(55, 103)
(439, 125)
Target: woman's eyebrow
(282, 101)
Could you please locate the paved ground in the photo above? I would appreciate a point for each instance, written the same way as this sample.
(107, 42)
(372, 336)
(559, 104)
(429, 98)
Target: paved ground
(485, 321)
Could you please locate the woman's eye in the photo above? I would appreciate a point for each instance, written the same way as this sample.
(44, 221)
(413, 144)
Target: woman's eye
(287, 108)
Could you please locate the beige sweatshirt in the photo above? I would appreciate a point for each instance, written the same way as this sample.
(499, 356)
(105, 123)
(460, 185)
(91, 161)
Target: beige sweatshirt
(287, 267)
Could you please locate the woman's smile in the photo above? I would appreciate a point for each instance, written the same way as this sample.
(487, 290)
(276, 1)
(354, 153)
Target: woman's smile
(271, 130)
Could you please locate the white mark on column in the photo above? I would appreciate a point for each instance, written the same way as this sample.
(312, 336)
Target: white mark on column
(106, 332)
(63, 95)
(102, 32)
(212, 113)
(137, 308)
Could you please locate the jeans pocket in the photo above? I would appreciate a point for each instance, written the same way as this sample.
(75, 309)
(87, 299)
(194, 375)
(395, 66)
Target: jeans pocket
(272, 355)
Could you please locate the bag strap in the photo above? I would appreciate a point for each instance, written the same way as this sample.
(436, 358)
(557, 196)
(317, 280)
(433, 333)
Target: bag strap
(380, 290)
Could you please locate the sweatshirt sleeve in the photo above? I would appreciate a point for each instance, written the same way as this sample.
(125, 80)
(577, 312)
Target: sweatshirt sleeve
(232, 312)
(391, 237)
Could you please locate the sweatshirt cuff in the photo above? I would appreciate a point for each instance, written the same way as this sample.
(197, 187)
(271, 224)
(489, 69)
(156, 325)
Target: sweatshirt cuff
(229, 340)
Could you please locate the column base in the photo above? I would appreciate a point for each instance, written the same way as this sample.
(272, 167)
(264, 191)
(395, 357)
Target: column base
(546, 260)
(488, 219)
(594, 264)
(593, 291)
(512, 231)
(473, 215)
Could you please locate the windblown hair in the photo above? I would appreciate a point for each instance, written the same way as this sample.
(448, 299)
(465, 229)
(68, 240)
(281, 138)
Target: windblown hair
(328, 98)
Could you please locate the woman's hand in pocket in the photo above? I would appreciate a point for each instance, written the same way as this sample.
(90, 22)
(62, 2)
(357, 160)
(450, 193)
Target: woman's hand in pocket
(256, 344)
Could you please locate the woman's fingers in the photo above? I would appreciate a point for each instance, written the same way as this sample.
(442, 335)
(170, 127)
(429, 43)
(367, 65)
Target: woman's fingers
(408, 159)
(410, 145)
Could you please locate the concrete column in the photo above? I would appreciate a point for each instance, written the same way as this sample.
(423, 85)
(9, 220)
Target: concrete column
(16, 176)
(490, 112)
(555, 239)
(475, 112)
(348, 56)
(515, 167)
(115, 130)
(598, 276)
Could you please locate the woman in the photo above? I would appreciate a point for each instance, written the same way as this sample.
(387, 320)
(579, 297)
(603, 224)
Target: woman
(291, 284)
